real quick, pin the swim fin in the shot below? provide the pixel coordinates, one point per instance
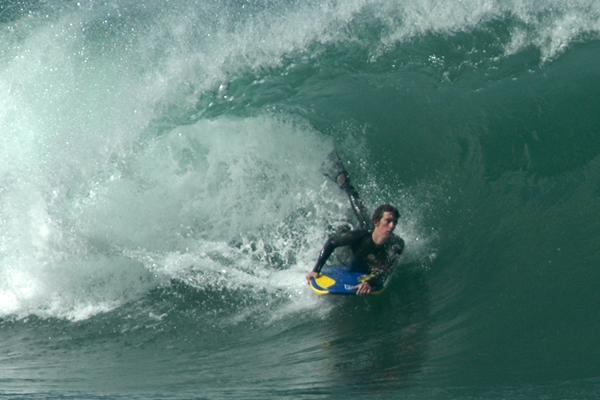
(333, 168)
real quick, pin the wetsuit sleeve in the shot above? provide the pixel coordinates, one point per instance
(335, 241)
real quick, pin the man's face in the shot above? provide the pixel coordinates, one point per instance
(386, 225)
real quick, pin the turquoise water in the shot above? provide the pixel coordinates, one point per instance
(159, 161)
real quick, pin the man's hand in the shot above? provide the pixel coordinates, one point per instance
(363, 289)
(311, 274)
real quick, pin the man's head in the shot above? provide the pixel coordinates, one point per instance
(384, 220)
(379, 211)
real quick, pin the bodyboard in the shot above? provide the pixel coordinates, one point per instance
(339, 280)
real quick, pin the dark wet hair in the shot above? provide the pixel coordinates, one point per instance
(378, 214)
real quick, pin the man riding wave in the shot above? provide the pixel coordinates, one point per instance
(375, 250)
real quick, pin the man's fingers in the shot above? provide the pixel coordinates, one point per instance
(311, 275)
(363, 288)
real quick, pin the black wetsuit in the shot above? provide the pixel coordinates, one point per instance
(375, 261)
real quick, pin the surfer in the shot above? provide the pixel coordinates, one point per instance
(375, 250)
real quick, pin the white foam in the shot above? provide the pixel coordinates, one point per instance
(550, 26)
(211, 205)
(250, 206)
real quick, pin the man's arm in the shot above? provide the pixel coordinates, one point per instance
(335, 241)
(324, 254)
(332, 243)
(380, 273)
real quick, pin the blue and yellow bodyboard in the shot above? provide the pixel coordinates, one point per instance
(339, 280)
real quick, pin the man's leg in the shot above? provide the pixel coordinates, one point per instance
(333, 168)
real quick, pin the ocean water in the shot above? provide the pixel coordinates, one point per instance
(161, 198)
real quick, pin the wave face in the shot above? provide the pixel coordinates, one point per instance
(161, 198)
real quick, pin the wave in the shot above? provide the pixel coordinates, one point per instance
(161, 198)
(144, 142)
